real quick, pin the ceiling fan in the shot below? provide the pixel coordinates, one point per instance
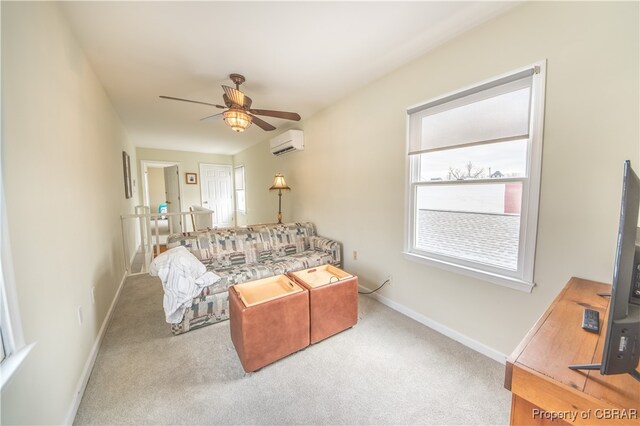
(239, 115)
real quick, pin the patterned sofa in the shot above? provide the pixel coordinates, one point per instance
(239, 255)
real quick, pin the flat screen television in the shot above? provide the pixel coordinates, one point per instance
(622, 340)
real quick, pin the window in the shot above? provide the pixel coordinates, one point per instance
(2, 352)
(474, 178)
(238, 176)
(13, 350)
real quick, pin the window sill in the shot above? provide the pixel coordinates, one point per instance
(502, 280)
(11, 364)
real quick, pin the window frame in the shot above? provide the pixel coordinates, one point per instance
(15, 349)
(244, 189)
(522, 279)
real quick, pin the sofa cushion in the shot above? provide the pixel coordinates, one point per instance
(258, 242)
(226, 247)
(198, 243)
(290, 238)
(297, 261)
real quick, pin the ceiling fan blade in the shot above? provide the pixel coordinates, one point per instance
(278, 114)
(189, 100)
(214, 116)
(247, 102)
(262, 124)
(236, 96)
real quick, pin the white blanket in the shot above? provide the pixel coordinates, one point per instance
(183, 276)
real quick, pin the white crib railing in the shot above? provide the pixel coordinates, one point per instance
(150, 239)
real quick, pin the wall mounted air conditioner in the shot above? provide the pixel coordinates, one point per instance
(289, 141)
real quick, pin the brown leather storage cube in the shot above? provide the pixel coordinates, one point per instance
(333, 299)
(269, 319)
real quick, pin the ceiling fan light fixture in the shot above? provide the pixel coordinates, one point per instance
(237, 119)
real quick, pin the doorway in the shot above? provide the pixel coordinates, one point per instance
(161, 191)
(216, 187)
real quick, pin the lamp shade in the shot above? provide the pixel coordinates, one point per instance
(279, 183)
(237, 119)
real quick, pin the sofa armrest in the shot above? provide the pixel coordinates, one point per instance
(334, 248)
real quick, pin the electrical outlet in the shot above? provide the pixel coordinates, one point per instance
(80, 314)
(355, 255)
(389, 279)
(93, 295)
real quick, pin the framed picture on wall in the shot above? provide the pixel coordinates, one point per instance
(192, 178)
(126, 167)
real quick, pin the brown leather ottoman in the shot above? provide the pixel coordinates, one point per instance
(269, 319)
(333, 299)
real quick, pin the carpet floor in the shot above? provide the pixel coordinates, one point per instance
(388, 369)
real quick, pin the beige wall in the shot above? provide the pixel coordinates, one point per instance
(260, 169)
(62, 171)
(189, 162)
(350, 179)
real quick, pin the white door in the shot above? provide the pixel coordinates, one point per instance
(172, 189)
(217, 193)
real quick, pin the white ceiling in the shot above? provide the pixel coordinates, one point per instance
(296, 56)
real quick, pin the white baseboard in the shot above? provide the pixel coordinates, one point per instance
(88, 366)
(440, 328)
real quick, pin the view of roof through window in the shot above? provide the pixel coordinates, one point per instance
(490, 239)
(469, 207)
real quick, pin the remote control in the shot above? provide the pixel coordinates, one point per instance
(591, 320)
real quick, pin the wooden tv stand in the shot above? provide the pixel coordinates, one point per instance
(545, 391)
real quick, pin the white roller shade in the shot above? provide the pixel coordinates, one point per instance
(496, 111)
